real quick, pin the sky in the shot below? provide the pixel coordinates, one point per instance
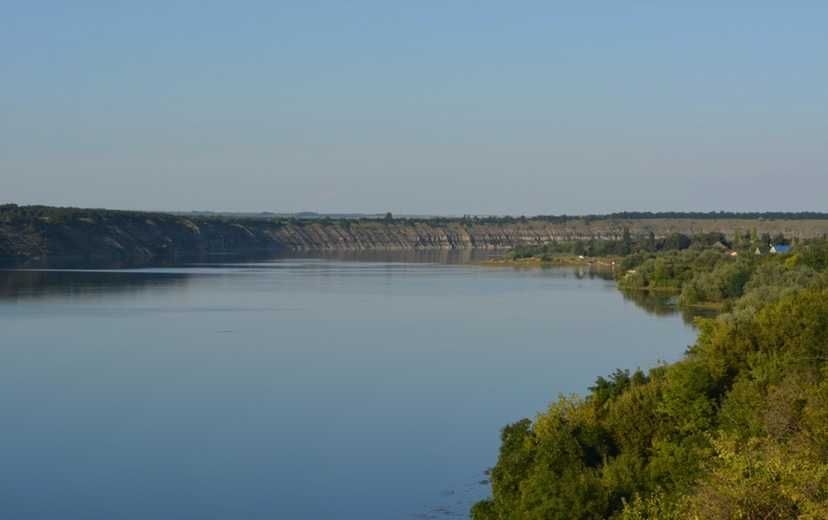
(427, 107)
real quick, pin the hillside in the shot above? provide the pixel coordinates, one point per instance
(36, 234)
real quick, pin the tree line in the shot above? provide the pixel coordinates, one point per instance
(20, 211)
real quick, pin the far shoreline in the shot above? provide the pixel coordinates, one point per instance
(553, 261)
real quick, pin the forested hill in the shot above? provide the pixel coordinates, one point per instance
(38, 233)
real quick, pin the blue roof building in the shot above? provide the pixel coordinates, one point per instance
(780, 248)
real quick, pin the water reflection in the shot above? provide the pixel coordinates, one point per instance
(665, 304)
(111, 262)
(435, 256)
(27, 284)
(593, 271)
(39, 283)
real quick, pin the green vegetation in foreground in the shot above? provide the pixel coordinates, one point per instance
(738, 429)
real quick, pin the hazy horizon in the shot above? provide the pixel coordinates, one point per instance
(381, 214)
(469, 108)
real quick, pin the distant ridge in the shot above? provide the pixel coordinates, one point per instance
(314, 215)
(41, 234)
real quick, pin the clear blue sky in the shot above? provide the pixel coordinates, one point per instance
(445, 107)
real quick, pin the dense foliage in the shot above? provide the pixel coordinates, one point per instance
(738, 429)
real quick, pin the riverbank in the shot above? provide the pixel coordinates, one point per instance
(607, 265)
(552, 261)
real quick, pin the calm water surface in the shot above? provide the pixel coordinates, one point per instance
(294, 388)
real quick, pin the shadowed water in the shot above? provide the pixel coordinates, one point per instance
(362, 387)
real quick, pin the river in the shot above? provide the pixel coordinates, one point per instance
(292, 388)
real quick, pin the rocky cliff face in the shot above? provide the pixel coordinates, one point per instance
(462, 234)
(39, 234)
